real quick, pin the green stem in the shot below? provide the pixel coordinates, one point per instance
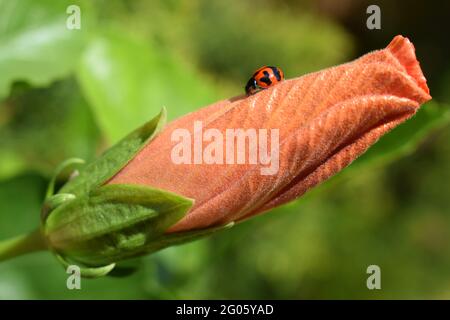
(22, 244)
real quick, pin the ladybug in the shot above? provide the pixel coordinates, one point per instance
(264, 78)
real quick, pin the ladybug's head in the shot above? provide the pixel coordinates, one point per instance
(251, 86)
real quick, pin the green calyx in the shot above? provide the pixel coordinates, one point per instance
(112, 223)
(95, 225)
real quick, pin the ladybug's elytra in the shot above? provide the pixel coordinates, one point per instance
(263, 78)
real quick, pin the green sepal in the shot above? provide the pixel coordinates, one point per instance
(52, 202)
(113, 222)
(88, 272)
(115, 158)
(63, 166)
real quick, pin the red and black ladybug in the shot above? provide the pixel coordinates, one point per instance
(264, 78)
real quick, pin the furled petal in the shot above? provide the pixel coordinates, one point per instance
(325, 120)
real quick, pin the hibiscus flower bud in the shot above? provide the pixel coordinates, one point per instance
(325, 120)
(231, 160)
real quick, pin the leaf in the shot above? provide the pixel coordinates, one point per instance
(103, 168)
(113, 222)
(20, 201)
(126, 80)
(35, 44)
(43, 127)
(405, 139)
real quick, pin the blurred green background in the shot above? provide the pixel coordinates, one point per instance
(67, 93)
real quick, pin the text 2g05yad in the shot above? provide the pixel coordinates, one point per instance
(246, 309)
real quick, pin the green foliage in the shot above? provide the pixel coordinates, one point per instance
(35, 44)
(43, 127)
(148, 78)
(264, 38)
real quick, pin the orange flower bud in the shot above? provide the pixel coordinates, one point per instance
(325, 120)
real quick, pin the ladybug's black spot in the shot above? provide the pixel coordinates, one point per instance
(276, 72)
(266, 78)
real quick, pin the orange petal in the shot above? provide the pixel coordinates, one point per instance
(325, 120)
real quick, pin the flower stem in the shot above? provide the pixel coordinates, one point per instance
(22, 244)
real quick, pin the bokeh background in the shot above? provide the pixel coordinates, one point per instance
(67, 93)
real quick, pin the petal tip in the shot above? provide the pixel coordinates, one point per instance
(404, 51)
